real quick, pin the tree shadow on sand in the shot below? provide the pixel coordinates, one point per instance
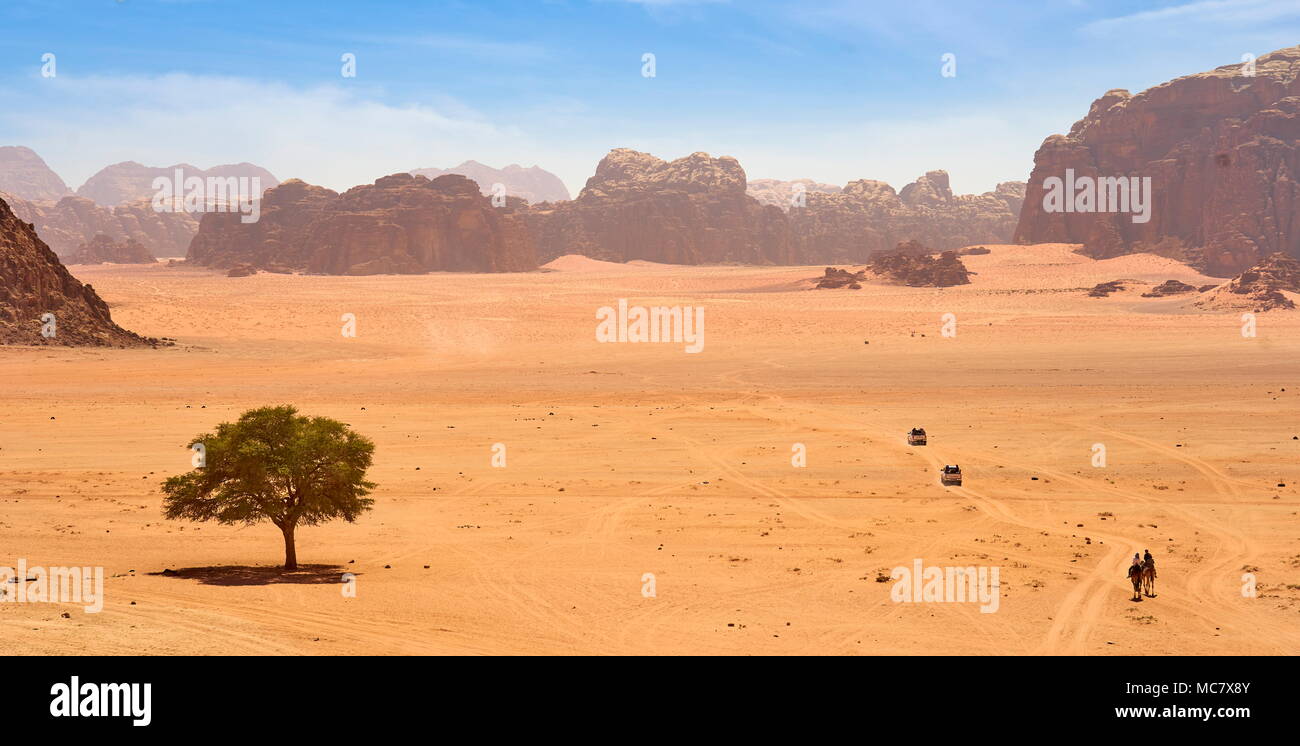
(258, 575)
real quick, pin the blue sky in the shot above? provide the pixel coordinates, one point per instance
(830, 90)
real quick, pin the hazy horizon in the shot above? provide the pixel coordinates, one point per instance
(791, 92)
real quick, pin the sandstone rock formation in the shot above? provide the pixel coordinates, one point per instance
(401, 224)
(868, 217)
(693, 210)
(102, 249)
(1259, 288)
(130, 181)
(67, 224)
(33, 283)
(778, 193)
(841, 278)
(532, 184)
(1222, 149)
(24, 174)
(1169, 287)
(920, 270)
(1104, 289)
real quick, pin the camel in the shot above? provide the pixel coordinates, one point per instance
(1149, 578)
(1135, 576)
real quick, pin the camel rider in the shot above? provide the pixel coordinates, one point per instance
(1137, 560)
(1149, 560)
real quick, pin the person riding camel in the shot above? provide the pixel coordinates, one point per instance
(1148, 559)
(1137, 559)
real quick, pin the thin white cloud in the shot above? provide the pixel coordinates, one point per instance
(1201, 13)
(333, 135)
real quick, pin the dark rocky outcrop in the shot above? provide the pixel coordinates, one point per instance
(907, 267)
(102, 249)
(33, 283)
(1222, 150)
(1104, 289)
(1258, 288)
(1169, 287)
(841, 278)
(401, 224)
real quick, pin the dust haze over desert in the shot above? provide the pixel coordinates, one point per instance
(665, 410)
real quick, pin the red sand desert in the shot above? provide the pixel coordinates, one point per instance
(628, 459)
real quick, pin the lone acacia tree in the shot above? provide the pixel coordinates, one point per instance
(275, 465)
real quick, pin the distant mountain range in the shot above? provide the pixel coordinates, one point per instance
(532, 185)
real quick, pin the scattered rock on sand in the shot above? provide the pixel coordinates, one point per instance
(920, 270)
(841, 278)
(1103, 289)
(1169, 287)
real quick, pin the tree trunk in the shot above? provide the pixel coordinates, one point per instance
(290, 552)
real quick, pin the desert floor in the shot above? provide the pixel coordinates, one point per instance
(627, 459)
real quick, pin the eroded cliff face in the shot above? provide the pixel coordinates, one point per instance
(34, 283)
(102, 249)
(868, 217)
(401, 224)
(72, 221)
(1222, 150)
(693, 210)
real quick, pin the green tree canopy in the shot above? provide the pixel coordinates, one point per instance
(275, 465)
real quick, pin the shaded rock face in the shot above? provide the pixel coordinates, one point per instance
(130, 181)
(1260, 287)
(693, 210)
(1223, 153)
(33, 283)
(868, 217)
(532, 184)
(921, 270)
(401, 224)
(24, 174)
(101, 249)
(72, 221)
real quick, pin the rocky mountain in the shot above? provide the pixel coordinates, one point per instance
(72, 221)
(531, 184)
(778, 193)
(1259, 288)
(693, 210)
(130, 181)
(24, 174)
(101, 249)
(401, 224)
(868, 217)
(1222, 151)
(33, 283)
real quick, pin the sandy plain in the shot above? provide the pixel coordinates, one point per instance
(627, 459)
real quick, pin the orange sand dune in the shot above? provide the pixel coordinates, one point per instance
(628, 459)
